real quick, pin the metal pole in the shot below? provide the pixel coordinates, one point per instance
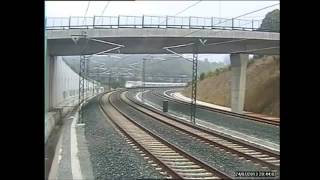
(194, 83)
(142, 21)
(81, 85)
(87, 75)
(211, 22)
(166, 21)
(109, 83)
(143, 78)
(98, 78)
(232, 23)
(94, 18)
(252, 25)
(118, 21)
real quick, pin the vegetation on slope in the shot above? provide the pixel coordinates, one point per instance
(262, 86)
(271, 22)
(173, 67)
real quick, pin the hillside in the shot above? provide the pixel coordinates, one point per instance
(262, 88)
(133, 63)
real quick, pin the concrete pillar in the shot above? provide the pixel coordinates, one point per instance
(238, 81)
(46, 88)
(51, 61)
(46, 80)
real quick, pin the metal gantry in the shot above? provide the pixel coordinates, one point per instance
(82, 74)
(194, 83)
(84, 69)
(195, 48)
(87, 76)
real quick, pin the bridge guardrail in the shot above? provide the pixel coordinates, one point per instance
(146, 21)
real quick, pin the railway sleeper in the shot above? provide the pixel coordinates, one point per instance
(254, 153)
(156, 146)
(168, 156)
(184, 170)
(188, 167)
(163, 152)
(214, 177)
(274, 161)
(262, 156)
(166, 152)
(192, 175)
(269, 158)
(174, 160)
(186, 163)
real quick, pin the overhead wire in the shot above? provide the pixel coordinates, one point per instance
(105, 7)
(234, 18)
(187, 8)
(87, 9)
(183, 10)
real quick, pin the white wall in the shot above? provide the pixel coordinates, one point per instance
(63, 86)
(65, 82)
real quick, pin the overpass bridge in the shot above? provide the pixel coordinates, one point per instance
(156, 35)
(142, 36)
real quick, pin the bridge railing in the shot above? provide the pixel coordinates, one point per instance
(146, 21)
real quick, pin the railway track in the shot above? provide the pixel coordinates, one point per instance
(244, 151)
(272, 122)
(170, 160)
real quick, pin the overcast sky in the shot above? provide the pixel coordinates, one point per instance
(224, 9)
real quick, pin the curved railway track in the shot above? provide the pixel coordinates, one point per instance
(168, 97)
(166, 157)
(244, 151)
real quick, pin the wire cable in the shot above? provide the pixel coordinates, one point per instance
(105, 7)
(87, 9)
(233, 18)
(192, 5)
(188, 7)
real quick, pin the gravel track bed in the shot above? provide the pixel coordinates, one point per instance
(111, 156)
(259, 130)
(210, 155)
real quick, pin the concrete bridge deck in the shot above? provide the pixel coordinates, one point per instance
(152, 41)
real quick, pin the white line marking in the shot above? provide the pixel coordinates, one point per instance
(60, 155)
(75, 164)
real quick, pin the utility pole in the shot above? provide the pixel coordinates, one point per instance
(82, 75)
(109, 81)
(87, 77)
(82, 70)
(98, 78)
(194, 83)
(143, 78)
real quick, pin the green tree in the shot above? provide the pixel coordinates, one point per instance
(210, 74)
(271, 22)
(202, 76)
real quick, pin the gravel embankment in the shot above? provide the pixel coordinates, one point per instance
(111, 157)
(210, 155)
(256, 129)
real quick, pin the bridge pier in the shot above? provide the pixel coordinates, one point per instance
(238, 81)
(46, 78)
(51, 60)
